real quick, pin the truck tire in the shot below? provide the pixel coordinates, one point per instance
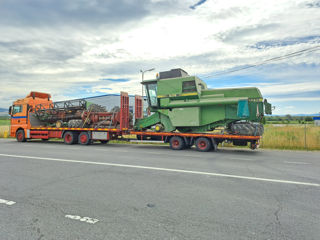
(20, 136)
(203, 144)
(75, 123)
(104, 141)
(84, 138)
(247, 128)
(177, 143)
(70, 138)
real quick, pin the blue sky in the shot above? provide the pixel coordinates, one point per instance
(75, 49)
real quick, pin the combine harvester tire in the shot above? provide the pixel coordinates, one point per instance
(247, 128)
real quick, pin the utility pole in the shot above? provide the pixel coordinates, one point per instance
(142, 78)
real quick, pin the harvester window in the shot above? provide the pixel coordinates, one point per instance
(152, 94)
(189, 86)
(17, 109)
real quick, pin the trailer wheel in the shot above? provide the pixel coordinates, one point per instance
(70, 138)
(177, 143)
(84, 138)
(20, 136)
(203, 144)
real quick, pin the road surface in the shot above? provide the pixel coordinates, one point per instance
(49, 190)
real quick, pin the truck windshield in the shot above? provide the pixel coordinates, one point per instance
(16, 109)
(152, 94)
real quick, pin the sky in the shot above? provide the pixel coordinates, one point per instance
(75, 49)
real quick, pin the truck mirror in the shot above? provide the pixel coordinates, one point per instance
(267, 107)
(10, 108)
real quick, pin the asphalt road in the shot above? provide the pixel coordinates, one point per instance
(54, 191)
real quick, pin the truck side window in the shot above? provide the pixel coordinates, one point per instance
(17, 109)
(189, 86)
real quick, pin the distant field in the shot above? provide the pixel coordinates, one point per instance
(5, 122)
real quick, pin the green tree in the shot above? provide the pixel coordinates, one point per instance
(308, 119)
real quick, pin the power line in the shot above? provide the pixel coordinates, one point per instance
(286, 56)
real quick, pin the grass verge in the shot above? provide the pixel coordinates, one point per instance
(299, 137)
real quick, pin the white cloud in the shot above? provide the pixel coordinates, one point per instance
(70, 53)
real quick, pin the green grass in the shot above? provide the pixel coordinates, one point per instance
(295, 137)
(4, 122)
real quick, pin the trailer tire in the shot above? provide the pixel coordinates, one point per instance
(70, 138)
(203, 144)
(20, 136)
(177, 143)
(84, 138)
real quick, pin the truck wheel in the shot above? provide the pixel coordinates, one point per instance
(70, 138)
(203, 144)
(84, 138)
(177, 143)
(104, 141)
(20, 136)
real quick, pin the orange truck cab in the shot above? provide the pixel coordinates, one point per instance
(22, 111)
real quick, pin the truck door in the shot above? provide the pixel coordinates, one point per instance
(19, 115)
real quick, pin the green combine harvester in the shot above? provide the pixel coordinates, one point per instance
(183, 103)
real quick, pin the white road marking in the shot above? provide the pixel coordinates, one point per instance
(242, 159)
(165, 169)
(302, 163)
(82, 219)
(7, 202)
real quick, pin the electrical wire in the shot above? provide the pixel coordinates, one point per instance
(286, 56)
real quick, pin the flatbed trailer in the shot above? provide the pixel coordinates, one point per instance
(23, 129)
(178, 141)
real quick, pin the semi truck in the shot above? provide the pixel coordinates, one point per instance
(183, 113)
